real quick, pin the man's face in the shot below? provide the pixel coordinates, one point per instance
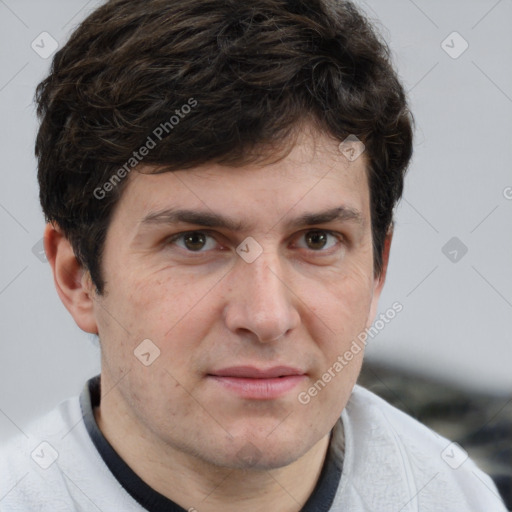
(218, 318)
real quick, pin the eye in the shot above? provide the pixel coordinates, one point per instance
(194, 241)
(319, 240)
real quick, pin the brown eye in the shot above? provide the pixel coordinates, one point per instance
(194, 241)
(201, 243)
(319, 240)
(316, 240)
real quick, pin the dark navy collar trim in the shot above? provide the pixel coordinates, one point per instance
(320, 500)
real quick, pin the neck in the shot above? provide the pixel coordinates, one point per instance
(197, 485)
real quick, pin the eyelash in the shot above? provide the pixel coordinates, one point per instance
(210, 234)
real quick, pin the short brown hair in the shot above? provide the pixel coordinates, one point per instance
(255, 71)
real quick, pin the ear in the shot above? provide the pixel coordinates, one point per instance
(73, 283)
(380, 280)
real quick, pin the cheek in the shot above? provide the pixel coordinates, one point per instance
(343, 302)
(157, 394)
(174, 312)
(151, 304)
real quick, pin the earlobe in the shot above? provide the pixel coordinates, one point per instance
(72, 282)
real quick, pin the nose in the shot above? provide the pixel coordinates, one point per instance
(261, 302)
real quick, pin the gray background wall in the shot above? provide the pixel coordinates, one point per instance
(457, 318)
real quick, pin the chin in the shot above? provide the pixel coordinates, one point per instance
(248, 453)
(251, 458)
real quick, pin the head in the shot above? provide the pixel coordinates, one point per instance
(232, 110)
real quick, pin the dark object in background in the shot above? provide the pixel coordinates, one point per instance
(480, 423)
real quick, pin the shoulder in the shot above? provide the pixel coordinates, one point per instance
(35, 464)
(392, 458)
(53, 466)
(39, 431)
(368, 408)
(29, 461)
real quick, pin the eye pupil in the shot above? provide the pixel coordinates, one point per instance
(316, 239)
(194, 241)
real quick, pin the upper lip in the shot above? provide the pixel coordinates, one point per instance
(251, 372)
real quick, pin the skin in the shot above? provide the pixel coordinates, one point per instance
(300, 303)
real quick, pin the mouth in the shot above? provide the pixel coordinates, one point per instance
(258, 383)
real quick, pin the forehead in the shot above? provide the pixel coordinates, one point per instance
(314, 173)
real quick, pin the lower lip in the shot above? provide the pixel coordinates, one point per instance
(259, 389)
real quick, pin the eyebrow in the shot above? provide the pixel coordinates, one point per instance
(216, 220)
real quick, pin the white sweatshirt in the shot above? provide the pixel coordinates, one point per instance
(390, 463)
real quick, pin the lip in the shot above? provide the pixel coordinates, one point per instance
(257, 383)
(251, 372)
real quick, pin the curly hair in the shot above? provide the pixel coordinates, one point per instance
(254, 71)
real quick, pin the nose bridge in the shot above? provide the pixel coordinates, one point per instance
(268, 278)
(261, 302)
(264, 280)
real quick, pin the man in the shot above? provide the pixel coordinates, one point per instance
(219, 181)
